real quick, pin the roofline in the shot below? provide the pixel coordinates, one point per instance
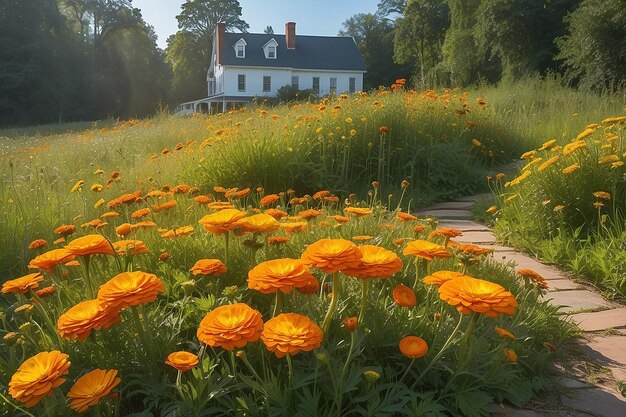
(292, 68)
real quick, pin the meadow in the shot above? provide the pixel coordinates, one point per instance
(272, 251)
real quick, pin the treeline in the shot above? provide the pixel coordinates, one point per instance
(462, 42)
(64, 60)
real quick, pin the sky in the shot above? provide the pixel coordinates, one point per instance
(312, 17)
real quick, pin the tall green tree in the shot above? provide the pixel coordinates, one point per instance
(594, 49)
(461, 57)
(189, 50)
(374, 38)
(419, 35)
(387, 7)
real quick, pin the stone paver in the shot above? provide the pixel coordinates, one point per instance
(525, 261)
(601, 320)
(596, 401)
(577, 300)
(464, 225)
(573, 383)
(464, 214)
(611, 352)
(477, 238)
(563, 284)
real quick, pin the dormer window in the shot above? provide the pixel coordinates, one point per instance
(270, 49)
(240, 48)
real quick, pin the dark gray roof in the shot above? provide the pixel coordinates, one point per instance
(311, 52)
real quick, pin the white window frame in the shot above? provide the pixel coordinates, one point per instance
(271, 49)
(315, 89)
(269, 83)
(331, 88)
(241, 43)
(295, 84)
(352, 85)
(239, 83)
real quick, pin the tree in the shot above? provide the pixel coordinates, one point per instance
(387, 7)
(189, 50)
(594, 50)
(374, 38)
(420, 33)
(521, 33)
(269, 30)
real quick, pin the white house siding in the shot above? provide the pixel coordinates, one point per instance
(281, 77)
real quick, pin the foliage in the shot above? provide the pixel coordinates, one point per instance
(288, 94)
(374, 37)
(568, 203)
(594, 50)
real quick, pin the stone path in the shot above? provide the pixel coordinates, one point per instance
(587, 390)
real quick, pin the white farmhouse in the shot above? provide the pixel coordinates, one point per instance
(249, 66)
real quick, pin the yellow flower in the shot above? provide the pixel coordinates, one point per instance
(77, 186)
(607, 159)
(573, 146)
(548, 163)
(602, 195)
(90, 388)
(571, 168)
(585, 133)
(505, 334)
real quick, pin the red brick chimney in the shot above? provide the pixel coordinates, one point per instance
(220, 30)
(290, 35)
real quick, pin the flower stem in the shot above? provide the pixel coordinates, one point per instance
(226, 241)
(466, 335)
(7, 401)
(90, 292)
(233, 363)
(278, 304)
(364, 289)
(408, 369)
(290, 366)
(139, 328)
(333, 303)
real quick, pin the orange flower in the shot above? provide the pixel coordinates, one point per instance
(178, 232)
(123, 229)
(145, 223)
(351, 323)
(47, 261)
(448, 232)
(123, 199)
(219, 205)
(36, 244)
(213, 267)
(45, 291)
(202, 199)
(405, 217)
(309, 214)
(294, 227)
(439, 277)
(534, 277)
(511, 356)
(109, 214)
(474, 250)
(90, 388)
(277, 214)
(65, 229)
(137, 214)
(376, 262)
(230, 326)
(339, 219)
(21, 285)
(312, 286)
(130, 247)
(221, 222)
(259, 223)
(413, 347)
(277, 240)
(420, 228)
(358, 211)
(404, 296)
(321, 194)
(38, 376)
(332, 255)
(164, 256)
(468, 294)
(289, 333)
(90, 245)
(362, 238)
(269, 199)
(95, 223)
(130, 289)
(278, 274)
(426, 250)
(182, 361)
(504, 333)
(165, 206)
(80, 320)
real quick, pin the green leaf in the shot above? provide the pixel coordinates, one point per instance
(473, 403)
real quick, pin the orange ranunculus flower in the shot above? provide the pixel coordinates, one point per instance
(123, 229)
(137, 214)
(278, 274)
(294, 227)
(38, 376)
(47, 261)
(213, 267)
(219, 205)
(339, 219)
(65, 229)
(275, 213)
(474, 250)
(534, 277)
(164, 206)
(405, 217)
(21, 285)
(309, 214)
(130, 289)
(182, 361)
(376, 262)
(413, 347)
(130, 247)
(109, 214)
(45, 291)
(289, 333)
(321, 194)
(80, 320)
(448, 232)
(420, 228)
(504, 333)
(230, 326)
(351, 323)
(177, 232)
(358, 211)
(312, 286)
(145, 223)
(36, 244)
(90, 388)
(123, 199)
(95, 223)
(332, 255)
(269, 199)
(439, 277)
(510, 354)
(404, 296)
(468, 294)
(259, 223)
(90, 245)
(277, 240)
(202, 199)
(221, 222)
(426, 250)
(361, 238)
